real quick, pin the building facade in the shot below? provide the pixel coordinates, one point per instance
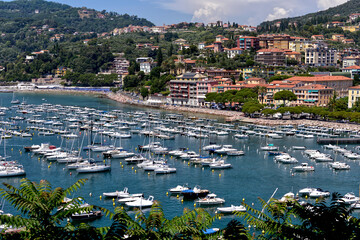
(271, 57)
(320, 56)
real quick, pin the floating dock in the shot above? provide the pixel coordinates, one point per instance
(338, 141)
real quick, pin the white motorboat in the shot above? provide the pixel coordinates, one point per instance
(220, 164)
(128, 199)
(78, 165)
(141, 202)
(349, 198)
(225, 149)
(165, 170)
(288, 197)
(298, 147)
(188, 155)
(135, 159)
(241, 136)
(340, 166)
(235, 153)
(269, 147)
(122, 154)
(178, 189)
(231, 209)
(212, 147)
(12, 171)
(122, 194)
(93, 168)
(306, 191)
(210, 199)
(287, 160)
(304, 167)
(319, 193)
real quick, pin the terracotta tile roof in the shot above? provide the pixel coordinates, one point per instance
(353, 67)
(355, 87)
(270, 50)
(320, 79)
(313, 86)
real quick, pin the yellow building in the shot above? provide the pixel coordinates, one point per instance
(350, 28)
(354, 95)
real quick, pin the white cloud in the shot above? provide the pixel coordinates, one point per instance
(325, 4)
(244, 11)
(278, 12)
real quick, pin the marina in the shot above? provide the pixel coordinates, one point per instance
(167, 155)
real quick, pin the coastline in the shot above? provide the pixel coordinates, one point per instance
(230, 116)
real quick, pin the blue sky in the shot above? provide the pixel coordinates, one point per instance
(250, 12)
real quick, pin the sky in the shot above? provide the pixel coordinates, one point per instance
(249, 12)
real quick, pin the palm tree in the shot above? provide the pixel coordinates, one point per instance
(290, 220)
(190, 225)
(43, 209)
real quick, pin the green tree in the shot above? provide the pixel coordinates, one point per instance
(144, 92)
(285, 95)
(42, 208)
(159, 57)
(290, 220)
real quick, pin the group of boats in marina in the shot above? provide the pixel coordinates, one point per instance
(77, 125)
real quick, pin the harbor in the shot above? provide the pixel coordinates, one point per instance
(77, 122)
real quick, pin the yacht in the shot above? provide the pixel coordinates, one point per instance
(220, 164)
(349, 198)
(135, 159)
(340, 166)
(306, 191)
(235, 153)
(231, 209)
(93, 168)
(288, 197)
(165, 169)
(225, 149)
(269, 147)
(122, 194)
(141, 202)
(241, 136)
(12, 171)
(212, 147)
(195, 193)
(319, 193)
(210, 199)
(178, 189)
(304, 167)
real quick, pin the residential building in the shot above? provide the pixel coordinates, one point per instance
(180, 41)
(280, 41)
(277, 86)
(291, 55)
(299, 44)
(317, 37)
(146, 67)
(121, 65)
(338, 37)
(340, 84)
(232, 52)
(353, 70)
(354, 16)
(354, 96)
(321, 55)
(313, 95)
(61, 71)
(223, 73)
(201, 45)
(218, 47)
(350, 28)
(248, 43)
(189, 89)
(271, 57)
(143, 59)
(351, 61)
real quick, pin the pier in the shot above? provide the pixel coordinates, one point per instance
(338, 141)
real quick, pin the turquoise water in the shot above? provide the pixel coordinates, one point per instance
(253, 175)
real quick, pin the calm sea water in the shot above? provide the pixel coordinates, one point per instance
(253, 175)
